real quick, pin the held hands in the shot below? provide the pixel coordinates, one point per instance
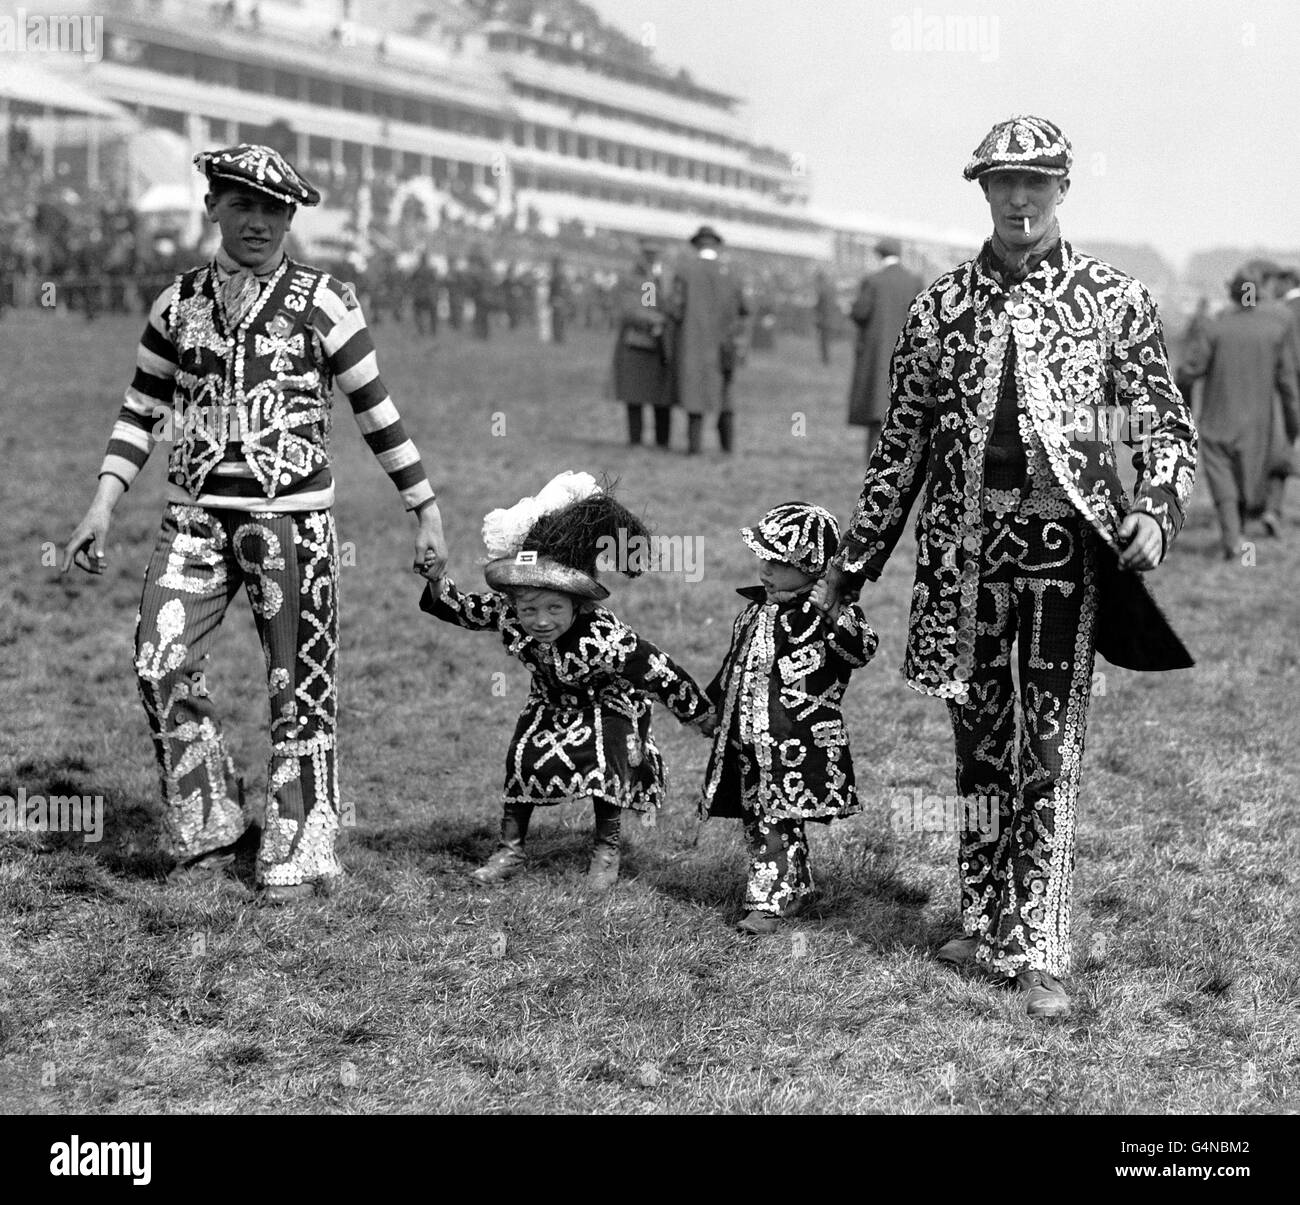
(1141, 542)
(826, 594)
(430, 544)
(707, 723)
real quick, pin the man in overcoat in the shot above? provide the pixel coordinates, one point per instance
(707, 306)
(884, 297)
(1247, 355)
(1013, 378)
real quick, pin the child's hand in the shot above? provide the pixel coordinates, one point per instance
(708, 723)
(431, 569)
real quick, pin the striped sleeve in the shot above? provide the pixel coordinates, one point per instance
(148, 399)
(350, 353)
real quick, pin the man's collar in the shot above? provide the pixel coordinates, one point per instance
(1291, 294)
(708, 253)
(887, 260)
(228, 266)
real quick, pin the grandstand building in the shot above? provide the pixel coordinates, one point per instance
(532, 111)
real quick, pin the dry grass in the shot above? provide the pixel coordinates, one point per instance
(413, 990)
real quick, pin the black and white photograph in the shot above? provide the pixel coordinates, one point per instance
(680, 558)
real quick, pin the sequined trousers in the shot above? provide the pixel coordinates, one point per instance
(780, 879)
(1038, 592)
(288, 565)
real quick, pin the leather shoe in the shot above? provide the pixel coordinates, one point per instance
(602, 874)
(760, 924)
(1045, 997)
(206, 866)
(502, 865)
(958, 952)
(275, 894)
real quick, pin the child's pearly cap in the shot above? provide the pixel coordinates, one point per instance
(799, 533)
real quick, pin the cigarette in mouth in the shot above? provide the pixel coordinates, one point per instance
(1026, 222)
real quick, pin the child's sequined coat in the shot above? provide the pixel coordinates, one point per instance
(781, 750)
(584, 731)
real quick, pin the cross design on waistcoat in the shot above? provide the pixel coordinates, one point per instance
(279, 347)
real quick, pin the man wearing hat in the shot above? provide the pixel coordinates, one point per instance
(1013, 377)
(707, 307)
(236, 368)
(1250, 408)
(884, 297)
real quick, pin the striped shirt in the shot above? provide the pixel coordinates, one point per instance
(339, 330)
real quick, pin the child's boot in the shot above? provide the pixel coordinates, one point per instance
(509, 858)
(507, 862)
(602, 874)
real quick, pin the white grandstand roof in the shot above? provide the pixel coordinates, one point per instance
(862, 221)
(33, 85)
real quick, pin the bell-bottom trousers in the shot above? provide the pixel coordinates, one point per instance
(288, 565)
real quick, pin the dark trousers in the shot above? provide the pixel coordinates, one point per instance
(780, 879)
(695, 431)
(663, 419)
(1019, 756)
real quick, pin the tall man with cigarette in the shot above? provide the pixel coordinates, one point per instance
(1006, 385)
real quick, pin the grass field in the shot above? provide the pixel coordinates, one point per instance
(412, 989)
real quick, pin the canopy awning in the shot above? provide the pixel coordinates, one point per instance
(33, 85)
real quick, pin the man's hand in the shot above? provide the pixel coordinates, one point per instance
(826, 593)
(86, 548)
(430, 544)
(1141, 543)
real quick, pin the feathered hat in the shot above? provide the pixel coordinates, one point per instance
(552, 540)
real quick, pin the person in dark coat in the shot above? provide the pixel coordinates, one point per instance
(560, 295)
(707, 306)
(1287, 292)
(641, 374)
(1002, 381)
(424, 295)
(1246, 357)
(879, 312)
(780, 750)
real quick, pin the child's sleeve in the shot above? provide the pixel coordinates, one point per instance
(444, 601)
(852, 639)
(652, 670)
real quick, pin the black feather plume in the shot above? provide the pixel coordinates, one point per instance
(577, 535)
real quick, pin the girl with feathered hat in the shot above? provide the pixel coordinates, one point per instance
(584, 732)
(780, 750)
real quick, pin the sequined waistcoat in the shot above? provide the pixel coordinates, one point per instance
(258, 394)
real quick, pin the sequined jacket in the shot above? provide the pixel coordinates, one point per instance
(1090, 368)
(781, 750)
(585, 728)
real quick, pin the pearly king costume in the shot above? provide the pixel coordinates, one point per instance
(781, 752)
(238, 369)
(1006, 388)
(584, 731)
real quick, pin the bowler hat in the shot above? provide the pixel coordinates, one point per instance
(705, 233)
(889, 246)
